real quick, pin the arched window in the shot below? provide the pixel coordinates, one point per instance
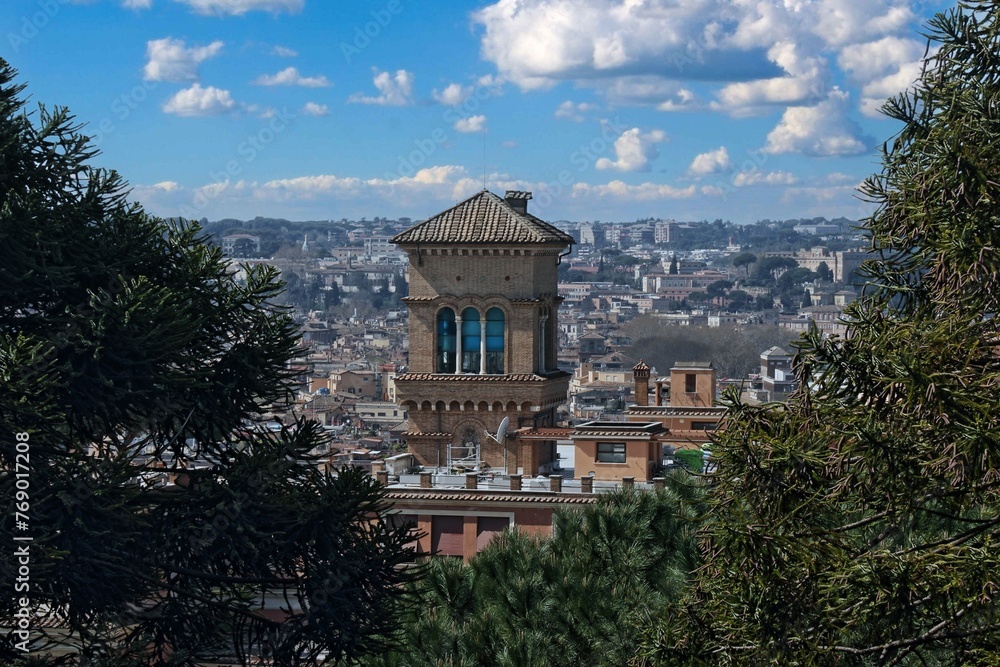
(472, 340)
(494, 341)
(445, 341)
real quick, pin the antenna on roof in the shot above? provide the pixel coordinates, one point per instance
(484, 157)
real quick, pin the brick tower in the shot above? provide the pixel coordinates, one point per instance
(483, 333)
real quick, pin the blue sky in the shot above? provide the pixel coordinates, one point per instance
(605, 109)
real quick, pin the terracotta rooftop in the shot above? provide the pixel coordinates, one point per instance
(483, 218)
(473, 377)
(393, 493)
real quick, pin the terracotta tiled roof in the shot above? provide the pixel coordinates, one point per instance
(641, 366)
(671, 411)
(471, 377)
(483, 218)
(491, 496)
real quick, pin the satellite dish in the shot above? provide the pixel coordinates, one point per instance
(501, 430)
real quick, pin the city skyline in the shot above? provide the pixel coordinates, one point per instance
(698, 109)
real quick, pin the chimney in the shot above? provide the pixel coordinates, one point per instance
(628, 482)
(515, 482)
(555, 483)
(641, 374)
(472, 480)
(382, 476)
(517, 200)
(586, 484)
(426, 481)
(659, 483)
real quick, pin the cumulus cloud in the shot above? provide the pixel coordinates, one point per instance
(711, 162)
(750, 55)
(395, 90)
(805, 81)
(290, 77)
(168, 59)
(634, 151)
(198, 101)
(757, 177)
(240, 7)
(884, 67)
(570, 110)
(821, 130)
(315, 109)
(471, 124)
(137, 4)
(453, 94)
(643, 191)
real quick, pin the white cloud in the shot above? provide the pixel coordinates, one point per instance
(396, 90)
(820, 130)
(841, 22)
(757, 177)
(712, 162)
(471, 124)
(885, 67)
(453, 94)
(682, 100)
(290, 77)
(198, 101)
(643, 191)
(167, 186)
(634, 151)
(283, 51)
(240, 7)
(573, 110)
(315, 109)
(137, 4)
(805, 81)
(440, 178)
(748, 54)
(169, 60)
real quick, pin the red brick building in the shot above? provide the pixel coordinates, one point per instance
(483, 334)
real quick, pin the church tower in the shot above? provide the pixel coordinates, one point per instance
(483, 309)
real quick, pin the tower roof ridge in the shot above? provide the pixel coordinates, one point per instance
(483, 218)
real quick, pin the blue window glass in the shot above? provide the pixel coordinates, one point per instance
(495, 325)
(471, 341)
(446, 340)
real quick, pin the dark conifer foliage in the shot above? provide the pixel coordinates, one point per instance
(858, 524)
(129, 351)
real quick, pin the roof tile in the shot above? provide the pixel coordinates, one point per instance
(483, 218)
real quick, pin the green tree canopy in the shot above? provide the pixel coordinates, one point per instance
(858, 524)
(130, 357)
(744, 260)
(581, 597)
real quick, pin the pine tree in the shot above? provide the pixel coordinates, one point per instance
(858, 524)
(129, 356)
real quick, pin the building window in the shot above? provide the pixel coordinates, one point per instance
(445, 341)
(690, 383)
(611, 452)
(472, 339)
(495, 325)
